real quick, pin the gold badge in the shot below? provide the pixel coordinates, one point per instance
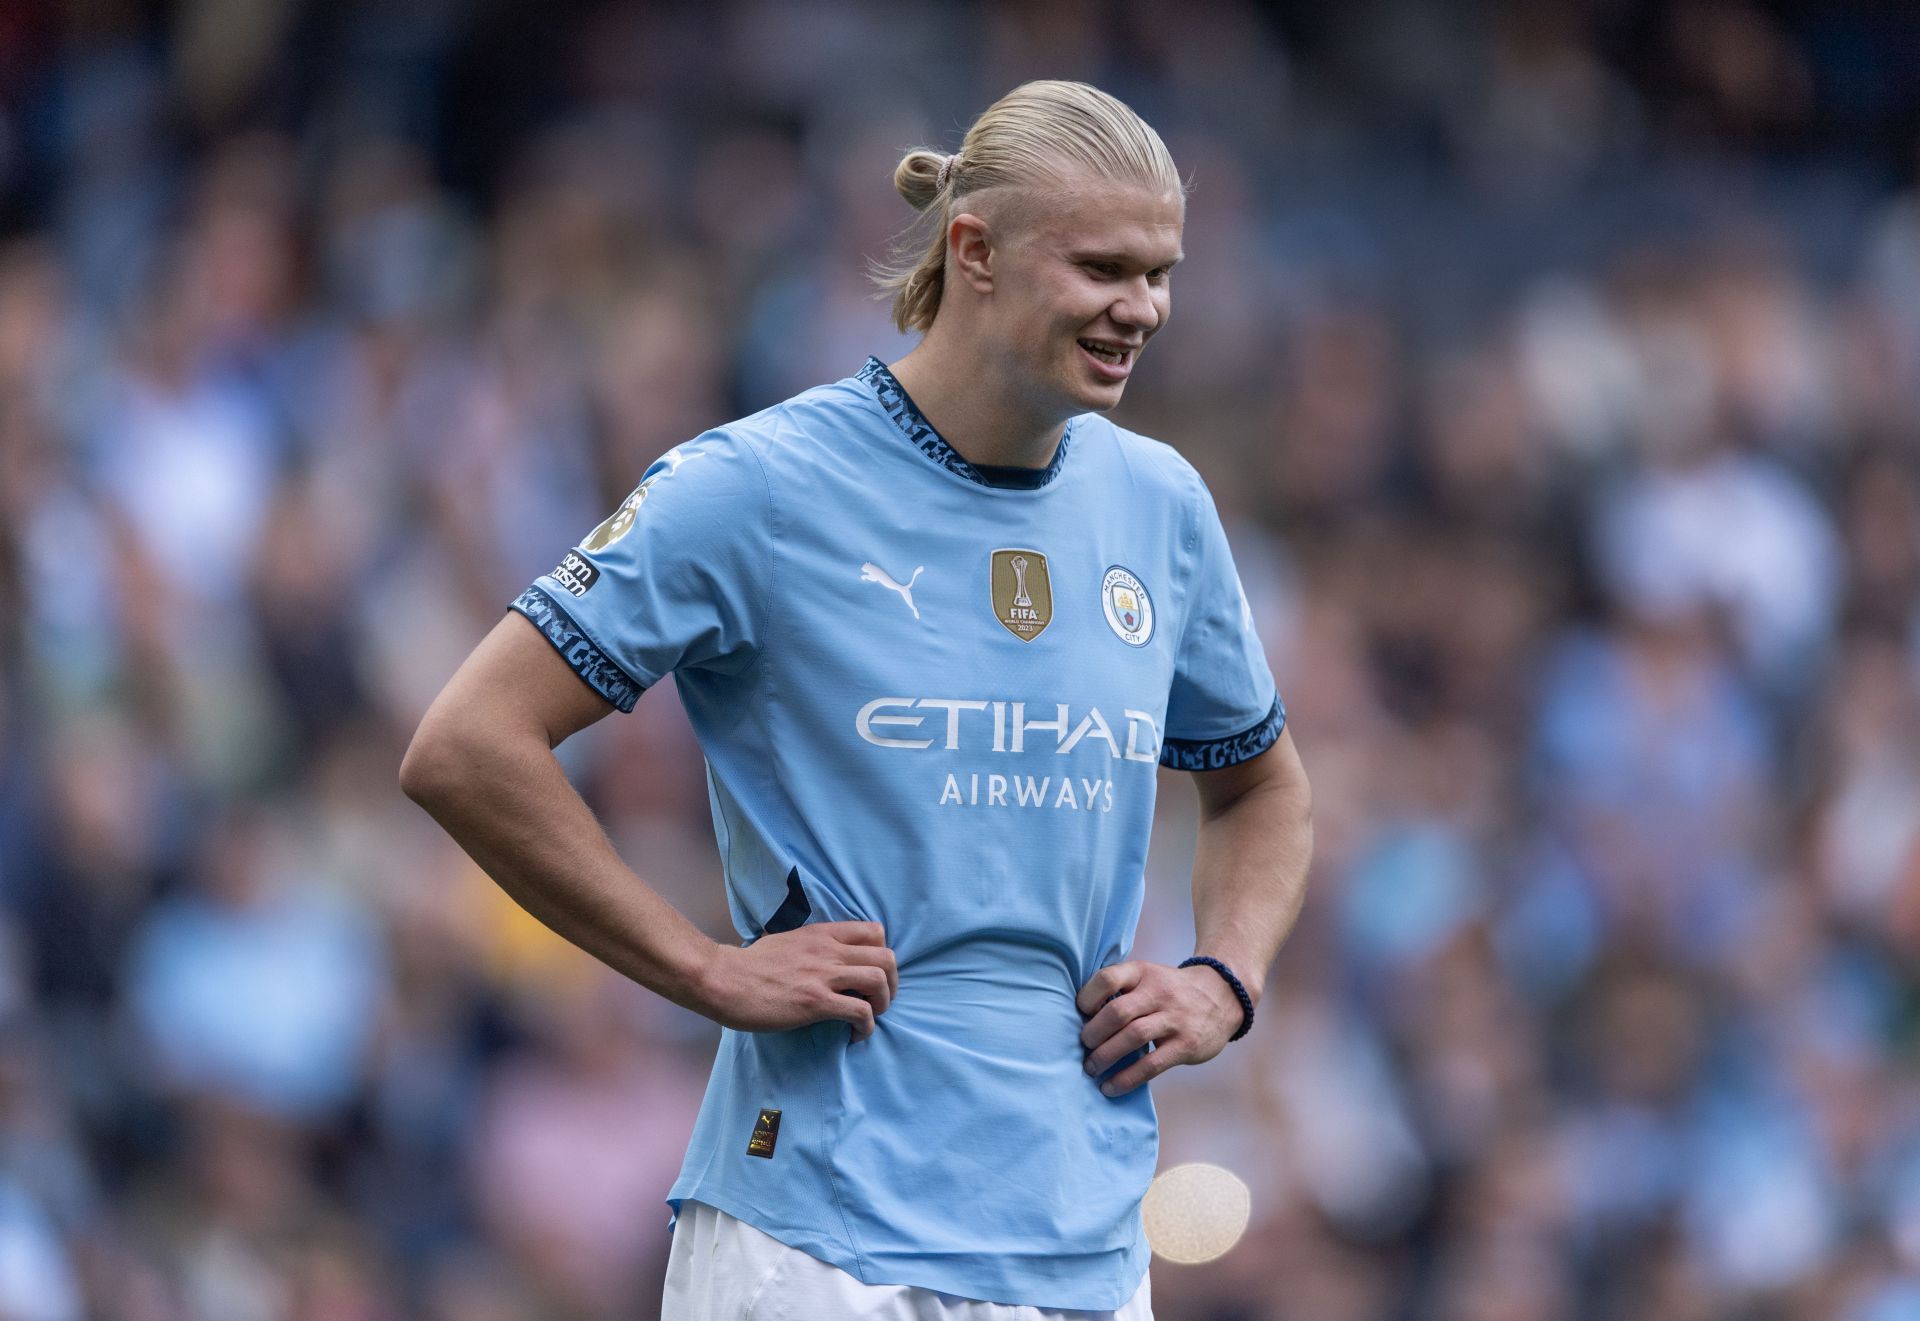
(621, 521)
(1022, 592)
(618, 524)
(766, 1132)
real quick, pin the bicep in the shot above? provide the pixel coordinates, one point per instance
(1278, 769)
(516, 681)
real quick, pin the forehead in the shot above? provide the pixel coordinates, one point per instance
(1107, 216)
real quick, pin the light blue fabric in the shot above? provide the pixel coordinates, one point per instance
(882, 746)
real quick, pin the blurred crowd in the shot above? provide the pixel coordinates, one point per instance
(1557, 366)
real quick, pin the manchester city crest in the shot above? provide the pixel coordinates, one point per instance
(1022, 592)
(1128, 608)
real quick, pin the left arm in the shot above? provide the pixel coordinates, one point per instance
(1249, 879)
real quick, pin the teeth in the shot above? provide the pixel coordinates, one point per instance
(1102, 352)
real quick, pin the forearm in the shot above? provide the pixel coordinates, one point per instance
(1250, 877)
(508, 803)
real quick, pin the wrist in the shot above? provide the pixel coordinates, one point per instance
(1247, 970)
(704, 974)
(1242, 996)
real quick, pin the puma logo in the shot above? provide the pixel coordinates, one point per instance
(873, 573)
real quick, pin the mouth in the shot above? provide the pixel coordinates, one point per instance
(1112, 361)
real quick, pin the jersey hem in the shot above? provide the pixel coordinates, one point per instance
(936, 1275)
(582, 654)
(1184, 754)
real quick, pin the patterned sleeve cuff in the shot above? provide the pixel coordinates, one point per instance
(581, 653)
(1216, 754)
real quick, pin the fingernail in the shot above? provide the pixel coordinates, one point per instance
(1108, 1089)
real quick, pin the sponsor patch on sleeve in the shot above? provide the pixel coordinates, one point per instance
(576, 573)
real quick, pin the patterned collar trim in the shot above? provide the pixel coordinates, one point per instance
(914, 426)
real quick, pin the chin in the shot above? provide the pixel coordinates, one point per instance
(1087, 394)
(1095, 397)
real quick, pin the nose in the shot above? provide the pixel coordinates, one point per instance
(1141, 306)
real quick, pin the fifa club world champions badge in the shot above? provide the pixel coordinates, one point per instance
(1022, 592)
(1128, 608)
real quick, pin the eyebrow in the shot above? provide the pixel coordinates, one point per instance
(1124, 258)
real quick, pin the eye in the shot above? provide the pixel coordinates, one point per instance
(1106, 270)
(1159, 274)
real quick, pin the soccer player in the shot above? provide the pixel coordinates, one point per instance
(935, 626)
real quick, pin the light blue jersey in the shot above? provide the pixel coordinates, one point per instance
(937, 704)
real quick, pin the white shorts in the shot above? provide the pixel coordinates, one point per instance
(723, 1269)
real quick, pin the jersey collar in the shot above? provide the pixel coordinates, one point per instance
(913, 424)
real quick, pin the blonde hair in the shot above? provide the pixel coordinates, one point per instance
(1028, 136)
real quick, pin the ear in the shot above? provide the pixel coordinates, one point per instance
(970, 245)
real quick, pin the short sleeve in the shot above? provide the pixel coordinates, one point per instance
(1222, 708)
(675, 578)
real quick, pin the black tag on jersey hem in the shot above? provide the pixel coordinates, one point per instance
(766, 1132)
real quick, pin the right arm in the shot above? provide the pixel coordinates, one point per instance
(482, 765)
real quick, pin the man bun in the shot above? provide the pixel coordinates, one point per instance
(1028, 138)
(920, 177)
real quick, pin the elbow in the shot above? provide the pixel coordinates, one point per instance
(1297, 797)
(1288, 797)
(1300, 800)
(428, 771)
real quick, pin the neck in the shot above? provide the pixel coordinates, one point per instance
(983, 426)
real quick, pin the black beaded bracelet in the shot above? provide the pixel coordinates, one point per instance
(1239, 991)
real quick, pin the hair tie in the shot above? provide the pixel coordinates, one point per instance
(947, 164)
